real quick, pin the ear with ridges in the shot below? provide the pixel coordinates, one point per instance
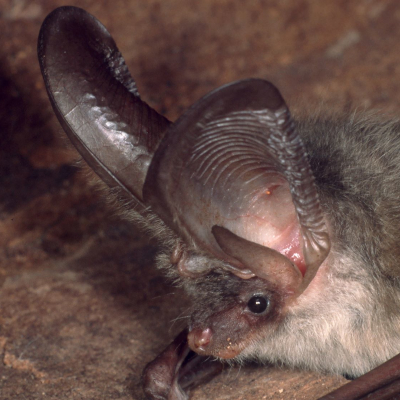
(96, 99)
(227, 149)
(221, 156)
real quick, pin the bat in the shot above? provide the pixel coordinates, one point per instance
(282, 231)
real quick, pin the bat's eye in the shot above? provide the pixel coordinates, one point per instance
(258, 304)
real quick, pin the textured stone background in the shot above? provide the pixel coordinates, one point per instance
(82, 307)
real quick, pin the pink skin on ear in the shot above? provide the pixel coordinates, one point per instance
(270, 220)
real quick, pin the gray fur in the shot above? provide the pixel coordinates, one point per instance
(347, 321)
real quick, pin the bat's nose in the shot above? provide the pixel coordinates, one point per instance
(199, 339)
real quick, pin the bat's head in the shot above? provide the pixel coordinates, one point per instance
(231, 178)
(226, 321)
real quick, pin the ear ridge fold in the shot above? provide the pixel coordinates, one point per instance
(96, 99)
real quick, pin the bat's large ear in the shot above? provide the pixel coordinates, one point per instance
(96, 100)
(235, 160)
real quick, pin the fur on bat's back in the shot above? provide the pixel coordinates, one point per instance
(350, 321)
(356, 163)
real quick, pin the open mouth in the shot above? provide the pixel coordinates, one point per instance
(177, 370)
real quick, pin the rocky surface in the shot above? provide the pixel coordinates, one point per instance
(82, 307)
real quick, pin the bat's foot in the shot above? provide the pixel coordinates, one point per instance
(177, 370)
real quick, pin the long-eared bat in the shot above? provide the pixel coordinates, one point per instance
(283, 232)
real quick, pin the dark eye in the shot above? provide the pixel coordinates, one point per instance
(258, 304)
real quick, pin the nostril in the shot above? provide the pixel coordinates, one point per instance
(198, 339)
(204, 338)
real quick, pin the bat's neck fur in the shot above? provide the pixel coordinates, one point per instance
(347, 325)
